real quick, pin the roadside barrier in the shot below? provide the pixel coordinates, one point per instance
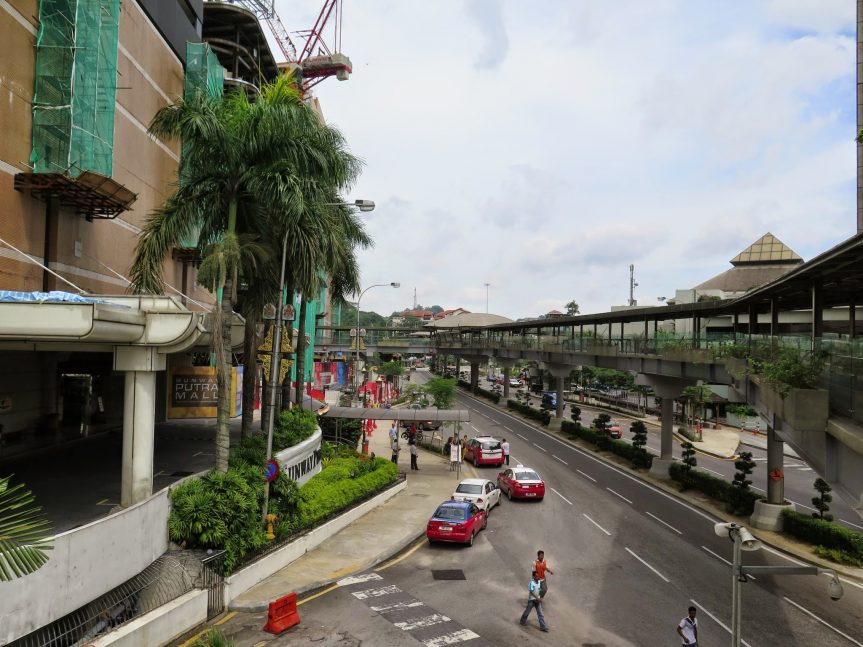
(282, 614)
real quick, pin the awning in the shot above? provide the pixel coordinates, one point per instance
(92, 195)
(416, 415)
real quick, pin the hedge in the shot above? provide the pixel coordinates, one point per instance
(483, 393)
(606, 442)
(540, 415)
(826, 534)
(714, 487)
(345, 481)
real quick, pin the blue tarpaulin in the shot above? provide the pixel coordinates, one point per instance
(41, 297)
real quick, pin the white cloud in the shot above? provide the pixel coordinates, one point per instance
(543, 147)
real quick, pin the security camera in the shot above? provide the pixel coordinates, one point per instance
(835, 588)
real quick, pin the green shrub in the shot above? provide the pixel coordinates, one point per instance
(293, 427)
(819, 532)
(605, 442)
(543, 417)
(343, 431)
(838, 556)
(714, 487)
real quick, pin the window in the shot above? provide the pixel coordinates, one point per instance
(450, 513)
(527, 476)
(469, 488)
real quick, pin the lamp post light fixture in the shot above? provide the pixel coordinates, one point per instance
(362, 205)
(486, 297)
(394, 284)
(744, 541)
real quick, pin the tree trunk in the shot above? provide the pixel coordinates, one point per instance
(301, 353)
(265, 387)
(222, 342)
(250, 374)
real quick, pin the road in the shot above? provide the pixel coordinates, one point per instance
(628, 559)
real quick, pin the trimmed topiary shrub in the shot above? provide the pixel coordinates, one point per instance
(543, 417)
(714, 487)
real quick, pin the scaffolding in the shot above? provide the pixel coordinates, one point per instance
(203, 71)
(75, 87)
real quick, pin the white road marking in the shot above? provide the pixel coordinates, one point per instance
(376, 593)
(648, 566)
(416, 623)
(520, 436)
(719, 557)
(823, 622)
(707, 469)
(586, 476)
(386, 608)
(663, 522)
(807, 469)
(759, 459)
(507, 428)
(851, 523)
(618, 494)
(450, 639)
(717, 620)
(755, 487)
(475, 429)
(542, 448)
(560, 459)
(596, 524)
(356, 579)
(561, 496)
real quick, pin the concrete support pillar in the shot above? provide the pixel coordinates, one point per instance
(560, 372)
(775, 465)
(817, 313)
(852, 319)
(139, 419)
(474, 374)
(457, 367)
(507, 365)
(559, 410)
(774, 317)
(667, 388)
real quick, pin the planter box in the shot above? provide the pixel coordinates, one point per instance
(691, 355)
(801, 409)
(736, 367)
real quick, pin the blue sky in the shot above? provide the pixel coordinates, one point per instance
(543, 147)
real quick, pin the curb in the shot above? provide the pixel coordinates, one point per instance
(764, 536)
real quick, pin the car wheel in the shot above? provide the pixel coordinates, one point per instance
(431, 541)
(470, 541)
(509, 494)
(485, 521)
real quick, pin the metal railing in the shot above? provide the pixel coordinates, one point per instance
(166, 579)
(214, 583)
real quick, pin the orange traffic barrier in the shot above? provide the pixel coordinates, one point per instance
(282, 614)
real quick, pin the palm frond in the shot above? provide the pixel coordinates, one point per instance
(24, 532)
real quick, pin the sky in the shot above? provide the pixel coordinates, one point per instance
(543, 147)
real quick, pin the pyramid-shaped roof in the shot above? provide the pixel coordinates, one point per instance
(767, 249)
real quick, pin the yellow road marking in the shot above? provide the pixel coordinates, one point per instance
(105, 502)
(262, 643)
(410, 551)
(227, 617)
(343, 571)
(318, 594)
(192, 640)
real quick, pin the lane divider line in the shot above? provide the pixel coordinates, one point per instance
(717, 620)
(648, 566)
(587, 476)
(823, 622)
(542, 448)
(664, 523)
(596, 524)
(719, 557)
(560, 459)
(618, 494)
(520, 436)
(561, 496)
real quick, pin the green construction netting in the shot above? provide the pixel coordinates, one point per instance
(76, 86)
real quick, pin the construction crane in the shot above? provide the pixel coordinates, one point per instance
(318, 59)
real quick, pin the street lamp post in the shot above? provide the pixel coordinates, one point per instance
(744, 541)
(486, 297)
(357, 338)
(276, 352)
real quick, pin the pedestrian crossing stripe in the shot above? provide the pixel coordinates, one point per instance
(386, 608)
(416, 623)
(357, 579)
(376, 593)
(450, 639)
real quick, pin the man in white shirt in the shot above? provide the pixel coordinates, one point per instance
(505, 447)
(688, 629)
(394, 432)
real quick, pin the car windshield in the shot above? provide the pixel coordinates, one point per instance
(450, 512)
(526, 476)
(469, 488)
(490, 445)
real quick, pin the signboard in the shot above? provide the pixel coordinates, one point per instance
(271, 471)
(193, 392)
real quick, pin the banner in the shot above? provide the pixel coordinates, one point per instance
(193, 392)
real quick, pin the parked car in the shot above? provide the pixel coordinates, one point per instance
(456, 521)
(613, 429)
(484, 493)
(485, 450)
(514, 382)
(521, 482)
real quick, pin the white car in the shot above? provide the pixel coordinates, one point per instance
(484, 493)
(514, 382)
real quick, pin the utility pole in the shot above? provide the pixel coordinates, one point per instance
(488, 284)
(415, 289)
(859, 116)
(633, 284)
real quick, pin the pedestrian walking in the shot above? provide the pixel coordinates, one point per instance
(534, 601)
(447, 446)
(505, 447)
(394, 445)
(464, 442)
(414, 451)
(688, 629)
(542, 569)
(394, 432)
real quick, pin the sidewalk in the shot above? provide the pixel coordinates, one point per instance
(370, 540)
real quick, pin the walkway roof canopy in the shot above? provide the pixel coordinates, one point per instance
(415, 415)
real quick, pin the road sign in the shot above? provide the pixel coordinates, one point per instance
(271, 471)
(776, 474)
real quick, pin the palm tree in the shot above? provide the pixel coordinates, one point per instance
(24, 532)
(247, 169)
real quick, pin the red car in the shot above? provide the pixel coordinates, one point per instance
(485, 450)
(613, 429)
(456, 521)
(521, 482)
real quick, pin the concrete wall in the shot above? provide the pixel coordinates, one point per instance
(21, 383)
(85, 563)
(161, 626)
(244, 579)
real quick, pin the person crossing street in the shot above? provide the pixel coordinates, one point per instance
(534, 601)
